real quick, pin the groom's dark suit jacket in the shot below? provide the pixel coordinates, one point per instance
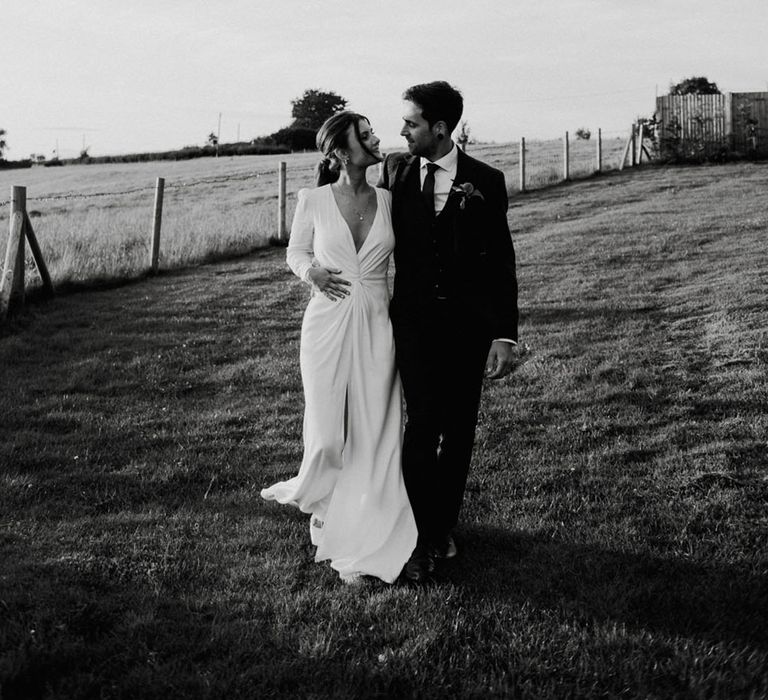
(464, 255)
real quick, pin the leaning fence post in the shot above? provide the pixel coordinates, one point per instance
(599, 154)
(37, 255)
(281, 235)
(627, 146)
(156, 225)
(633, 140)
(566, 159)
(522, 164)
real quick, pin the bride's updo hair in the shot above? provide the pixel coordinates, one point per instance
(332, 135)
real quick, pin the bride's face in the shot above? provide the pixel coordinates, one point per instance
(365, 151)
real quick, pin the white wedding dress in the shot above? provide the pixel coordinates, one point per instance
(350, 479)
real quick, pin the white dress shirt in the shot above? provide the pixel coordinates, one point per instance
(444, 176)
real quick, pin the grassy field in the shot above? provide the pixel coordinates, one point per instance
(614, 540)
(213, 207)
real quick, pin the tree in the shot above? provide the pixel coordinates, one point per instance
(698, 85)
(315, 106)
(213, 140)
(583, 133)
(3, 142)
(463, 138)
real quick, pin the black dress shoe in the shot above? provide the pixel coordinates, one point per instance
(421, 565)
(445, 548)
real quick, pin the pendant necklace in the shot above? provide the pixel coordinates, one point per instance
(361, 214)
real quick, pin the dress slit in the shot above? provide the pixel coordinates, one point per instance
(346, 415)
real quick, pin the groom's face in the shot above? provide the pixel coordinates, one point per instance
(416, 131)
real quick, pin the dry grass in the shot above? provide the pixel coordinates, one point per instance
(213, 208)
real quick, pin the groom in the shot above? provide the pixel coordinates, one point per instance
(454, 307)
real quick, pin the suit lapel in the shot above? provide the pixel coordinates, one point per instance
(463, 168)
(452, 203)
(464, 172)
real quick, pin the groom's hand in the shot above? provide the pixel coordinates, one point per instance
(326, 280)
(501, 359)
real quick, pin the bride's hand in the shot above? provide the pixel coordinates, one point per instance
(325, 279)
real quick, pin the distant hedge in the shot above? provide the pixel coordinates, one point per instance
(11, 164)
(189, 152)
(186, 153)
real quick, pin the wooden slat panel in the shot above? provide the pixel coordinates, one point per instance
(701, 119)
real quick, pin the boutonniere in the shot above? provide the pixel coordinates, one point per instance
(466, 191)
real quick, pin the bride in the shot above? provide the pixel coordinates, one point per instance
(350, 479)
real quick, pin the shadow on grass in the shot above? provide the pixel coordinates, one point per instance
(118, 638)
(668, 595)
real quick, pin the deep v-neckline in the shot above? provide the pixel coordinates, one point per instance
(349, 230)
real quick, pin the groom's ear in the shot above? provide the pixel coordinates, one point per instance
(440, 130)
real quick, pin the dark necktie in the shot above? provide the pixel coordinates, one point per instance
(428, 188)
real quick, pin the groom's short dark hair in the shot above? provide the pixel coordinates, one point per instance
(439, 101)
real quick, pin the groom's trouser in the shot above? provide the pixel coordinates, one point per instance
(441, 358)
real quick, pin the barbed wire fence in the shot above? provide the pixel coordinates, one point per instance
(528, 166)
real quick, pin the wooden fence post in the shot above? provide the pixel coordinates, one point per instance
(12, 287)
(157, 222)
(15, 240)
(633, 139)
(12, 284)
(566, 159)
(281, 234)
(18, 206)
(522, 164)
(599, 155)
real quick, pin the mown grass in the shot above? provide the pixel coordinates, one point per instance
(614, 536)
(213, 208)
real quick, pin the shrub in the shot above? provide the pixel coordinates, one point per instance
(12, 164)
(297, 138)
(697, 85)
(695, 148)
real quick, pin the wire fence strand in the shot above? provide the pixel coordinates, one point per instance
(148, 188)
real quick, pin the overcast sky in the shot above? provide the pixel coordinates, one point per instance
(126, 76)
